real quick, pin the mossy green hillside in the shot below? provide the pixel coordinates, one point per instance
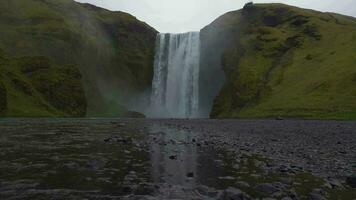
(113, 50)
(35, 87)
(288, 61)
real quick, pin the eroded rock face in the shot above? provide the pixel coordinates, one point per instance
(3, 100)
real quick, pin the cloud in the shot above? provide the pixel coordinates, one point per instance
(192, 15)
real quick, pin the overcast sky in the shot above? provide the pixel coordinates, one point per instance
(192, 15)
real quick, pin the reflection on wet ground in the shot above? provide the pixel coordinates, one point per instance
(132, 159)
(101, 159)
(177, 158)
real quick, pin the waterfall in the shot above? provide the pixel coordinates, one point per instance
(175, 85)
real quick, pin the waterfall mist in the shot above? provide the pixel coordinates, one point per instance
(175, 85)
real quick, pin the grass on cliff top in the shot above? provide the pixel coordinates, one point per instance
(294, 63)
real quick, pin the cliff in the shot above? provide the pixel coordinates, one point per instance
(284, 61)
(113, 51)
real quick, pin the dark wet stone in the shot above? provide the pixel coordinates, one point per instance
(126, 190)
(107, 139)
(124, 140)
(207, 191)
(72, 166)
(285, 169)
(173, 157)
(351, 181)
(266, 188)
(190, 174)
(342, 152)
(234, 194)
(286, 198)
(333, 183)
(315, 196)
(279, 118)
(121, 124)
(145, 190)
(96, 164)
(242, 184)
(292, 194)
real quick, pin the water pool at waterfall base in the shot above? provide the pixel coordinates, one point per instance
(176, 159)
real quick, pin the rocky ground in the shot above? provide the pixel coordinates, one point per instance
(177, 159)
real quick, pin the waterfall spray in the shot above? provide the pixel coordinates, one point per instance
(175, 86)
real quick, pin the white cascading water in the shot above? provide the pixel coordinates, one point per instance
(175, 86)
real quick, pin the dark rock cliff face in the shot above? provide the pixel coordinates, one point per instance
(283, 61)
(112, 50)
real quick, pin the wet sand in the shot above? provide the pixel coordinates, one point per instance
(176, 159)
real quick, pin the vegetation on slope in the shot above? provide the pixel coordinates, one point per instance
(287, 61)
(113, 50)
(34, 86)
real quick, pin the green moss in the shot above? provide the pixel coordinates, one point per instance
(35, 87)
(113, 50)
(294, 63)
(3, 98)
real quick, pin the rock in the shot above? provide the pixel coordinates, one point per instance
(71, 166)
(121, 124)
(96, 164)
(286, 198)
(133, 114)
(266, 188)
(278, 195)
(124, 140)
(227, 178)
(292, 193)
(234, 194)
(173, 157)
(108, 139)
(207, 191)
(279, 118)
(242, 184)
(145, 189)
(351, 181)
(190, 174)
(285, 169)
(316, 194)
(248, 5)
(333, 183)
(255, 176)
